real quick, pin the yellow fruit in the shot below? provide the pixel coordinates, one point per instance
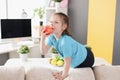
(60, 63)
(50, 60)
(54, 62)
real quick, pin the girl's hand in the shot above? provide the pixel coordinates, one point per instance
(43, 34)
(57, 75)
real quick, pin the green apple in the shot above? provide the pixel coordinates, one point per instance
(60, 62)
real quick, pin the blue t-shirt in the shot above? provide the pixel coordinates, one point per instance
(68, 47)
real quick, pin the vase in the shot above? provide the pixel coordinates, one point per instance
(54, 55)
(41, 23)
(23, 57)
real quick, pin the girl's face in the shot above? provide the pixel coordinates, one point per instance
(57, 22)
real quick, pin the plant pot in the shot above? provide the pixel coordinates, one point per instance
(41, 23)
(54, 55)
(24, 57)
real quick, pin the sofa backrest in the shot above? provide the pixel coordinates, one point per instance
(12, 73)
(40, 73)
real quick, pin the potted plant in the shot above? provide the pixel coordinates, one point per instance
(54, 52)
(57, 3)
(23, 51)
(57, 0)
(40, 13)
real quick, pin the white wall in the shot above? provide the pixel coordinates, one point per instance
(15, 7)
(2, 9)
(78, 12)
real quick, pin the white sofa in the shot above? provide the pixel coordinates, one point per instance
(12, 73)
(41, 73)
(33, 69)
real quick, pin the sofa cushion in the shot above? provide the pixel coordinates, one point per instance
(107, 72)
(81, 74)
(40, 73)
(12, 73)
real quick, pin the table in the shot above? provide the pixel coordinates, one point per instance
(42, 62)
(12, 46)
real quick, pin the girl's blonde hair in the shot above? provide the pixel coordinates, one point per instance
(65, 20)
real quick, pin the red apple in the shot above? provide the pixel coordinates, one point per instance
(48, 29)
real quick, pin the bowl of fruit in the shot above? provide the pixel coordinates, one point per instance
(57, 61)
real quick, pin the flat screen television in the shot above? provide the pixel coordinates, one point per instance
(14, 28)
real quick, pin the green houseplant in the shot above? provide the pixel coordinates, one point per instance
(24, 49)
(57, 0)
(23, 52)
(39, 11)
(54, 52)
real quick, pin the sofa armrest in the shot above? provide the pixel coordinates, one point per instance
(100, 61)
(12, 73)
(107, 72)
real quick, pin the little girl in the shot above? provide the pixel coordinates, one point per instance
(75, 54)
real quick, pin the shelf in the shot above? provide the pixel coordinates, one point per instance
(50, 10)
